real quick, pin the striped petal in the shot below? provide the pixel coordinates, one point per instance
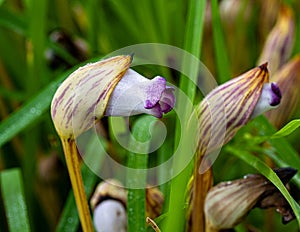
(227, 203)
(229, 107)
(82, 98)
(279, 43)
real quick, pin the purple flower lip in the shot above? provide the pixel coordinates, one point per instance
(276, 94)
(270, 98)
(165, 99)
(135, 94)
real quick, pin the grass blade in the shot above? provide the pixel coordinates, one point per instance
(12, 21)
(29, 113)
(14, 200)
(287, 129)
(193, 40)
(137, 175)
(284, 150)
(219, 44)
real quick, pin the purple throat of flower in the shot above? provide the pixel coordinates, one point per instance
(135, 94)
(276, 95)
(270, 98)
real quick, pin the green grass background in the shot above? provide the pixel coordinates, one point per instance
(31, 157)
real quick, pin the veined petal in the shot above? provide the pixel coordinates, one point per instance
(229, 107)
(279, 43)
(135, 94)
(82, 97)
(227, 203)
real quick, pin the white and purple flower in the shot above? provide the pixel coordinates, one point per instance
(104, 88)
(107, 88)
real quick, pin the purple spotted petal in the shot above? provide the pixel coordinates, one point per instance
(135, 94)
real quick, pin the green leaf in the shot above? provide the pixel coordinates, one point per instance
(12, 21)
(14, 200)
(269, 174)
(287, 129)
(29, 113)
(283, 149)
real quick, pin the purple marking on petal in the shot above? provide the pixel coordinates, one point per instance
(154, 92)
(167, 100)
(148, 104)
(156, 111)
(59, 99)
(87, 77)
(135, 94)
(276, 94)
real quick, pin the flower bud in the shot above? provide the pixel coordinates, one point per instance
(82, 97)
(279, 43)
(231, 105)
(154, 202)
(110, 189)
(227, 203)
(109, 205)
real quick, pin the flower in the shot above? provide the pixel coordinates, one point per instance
(104, 88)
(233, 104)
(227, 203)
(221, 114)
(107, 88)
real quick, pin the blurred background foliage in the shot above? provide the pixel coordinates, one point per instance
(41, 41)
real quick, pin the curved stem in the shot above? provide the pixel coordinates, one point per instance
(73, 163)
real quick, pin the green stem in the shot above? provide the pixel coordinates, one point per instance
(137, 175)
(193, 42)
